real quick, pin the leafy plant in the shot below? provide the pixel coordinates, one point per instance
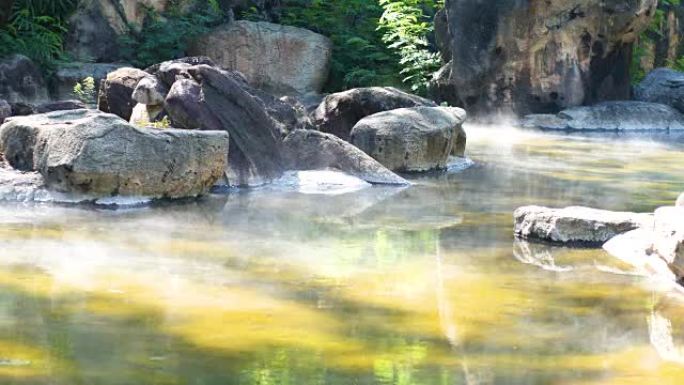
(360, 57)
(36, 28)
(405, 30)
(85, 90)
(166, 36)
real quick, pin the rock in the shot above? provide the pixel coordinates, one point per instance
(668, 240)
(575, 225)
(614, 116)
(21, 81)
(339, 112)
(680, 201)
(170, 71)
(635, 248)
(273, 57)
(117, 89)
(17, 186)
(460, 141)
(315, 150)
(144, 114)
(22, 109)
(60, 105)
(150, 91)
(255, 137)
(69, 74)
(186, 108)
(664, 86)
(90, 152)
(410, 139)
(5, 110)
(522, 57)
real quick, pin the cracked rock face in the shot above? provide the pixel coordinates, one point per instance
(90, 152)
(521, 57)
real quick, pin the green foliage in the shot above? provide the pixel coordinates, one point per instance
(406, 29)
(160, 125)
(85, 90)
(166, 36)
(360, 57)
(648, 38)
(36, 28)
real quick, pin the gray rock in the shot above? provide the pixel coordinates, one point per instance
(116, 91)
(144, 114)
(170, 71)
(60, 105)
(186, 108)
(575, 225)
(21, 81)
(90, 152)
(18, 186)
(5, 110)
(611, 116)
(515, 57)
(668, 240)
(664, 86)
(315, 150)
(22, 109)
(338, 113)
(150, 91)
(69, 74)
(273, 57)
(410, 139)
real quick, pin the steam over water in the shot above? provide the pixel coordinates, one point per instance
(342, 283)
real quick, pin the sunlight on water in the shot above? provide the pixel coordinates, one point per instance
(414, 285)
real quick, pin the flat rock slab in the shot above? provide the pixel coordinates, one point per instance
(610, 116)
(99, 154)
(575, 225)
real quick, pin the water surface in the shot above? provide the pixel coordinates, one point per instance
(420, 285)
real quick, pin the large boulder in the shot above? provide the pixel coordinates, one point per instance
(21, 81)
(614, 116)
(60, 105)
(315, 150)
(338, 113)
(5, 110)
(663, 85)
(522, 57)
(90, 152)
(69, 74)
(277, 58)
(410, 139)
(116, 91)
(150, 91)
(575, 225)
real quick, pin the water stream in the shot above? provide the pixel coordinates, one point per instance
(418, 285)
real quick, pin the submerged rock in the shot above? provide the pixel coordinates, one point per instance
(663, 85)
(338, 113)
(575, 225)
(411, 139)
(90, 152)
(116, 91)
(274, 57)
(611, 116)
(315, 150)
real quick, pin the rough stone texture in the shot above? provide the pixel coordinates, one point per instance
(668, 240)
(90, 152)
(277, 58)
(339, 112)
(60, 105)
(150, 91)
(185, 107)
(170, 71)
(522, 57)
(575, 225)
(410, 139)
(664, 86)
(18, 186)
(69, 74)
(616, 116)
(315, 150)
(144, 114)
(255, 137)
(21, 81)
(5, 110)
(117, 89)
